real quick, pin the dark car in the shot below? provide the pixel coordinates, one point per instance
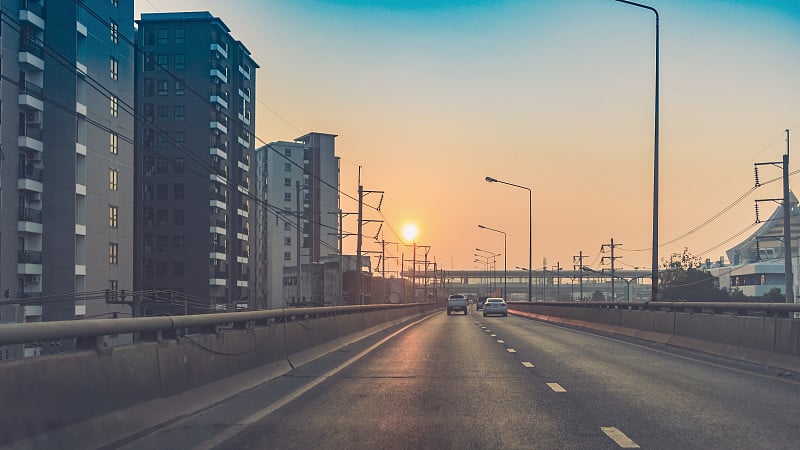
(481, 301)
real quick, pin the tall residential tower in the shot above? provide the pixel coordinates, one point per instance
(195, 88)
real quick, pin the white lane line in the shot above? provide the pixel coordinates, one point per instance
(488, 331)
(500, 341)
(527, 364)
(511, 350)
(239, 427)
(619, 437)
(556, 387)
(493, 335)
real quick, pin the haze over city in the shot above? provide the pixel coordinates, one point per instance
(429, 98)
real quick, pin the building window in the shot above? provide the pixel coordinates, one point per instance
(287, 167)
(113, 211)
(178, 113)
(162, 243)
(114, 3)
(149, 62)
(161, 269)
(163, 61)
(161, 138)
(179, 87)
(114, 106)
(114, 27)
(177, 217)
(114, 69)
(113, 256)
(162, 165)
(113, 143)
(163, 114)
(162, 191)
(287, 226)
(147, 191)
(177, 243)
(287, 196)
(161, 217)
(287, 241)
(177, 269)
(180, 61)
(113, 175)
(113, 284)
(179, 165)
(148, 113)
(287, 256)
(163, 36)
(180, 36)
(178, 191)
(287, 152)
(163, 87)
(180, 136)
(149, 87)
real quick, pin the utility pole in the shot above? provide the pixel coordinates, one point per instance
(612, 258)
(299, 242)
(558, 275)
(579, 259)
(787, 210)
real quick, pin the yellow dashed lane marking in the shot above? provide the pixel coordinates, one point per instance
(527, 364)
(556, 387)
(619, 437)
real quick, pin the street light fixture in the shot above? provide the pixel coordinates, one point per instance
(505, 259)
(530, 229)
(654, 262)
(494, 264)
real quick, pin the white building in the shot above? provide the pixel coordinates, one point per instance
(757, 263)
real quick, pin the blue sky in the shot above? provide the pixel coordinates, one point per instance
(430, 97)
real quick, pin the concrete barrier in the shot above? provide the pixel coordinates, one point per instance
(54, 391)
(769, 341)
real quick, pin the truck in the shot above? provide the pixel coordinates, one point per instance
(456, 302)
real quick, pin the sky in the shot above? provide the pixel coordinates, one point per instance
(430, 97)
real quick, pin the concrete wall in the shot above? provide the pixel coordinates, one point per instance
(769, 341)
(49, 392)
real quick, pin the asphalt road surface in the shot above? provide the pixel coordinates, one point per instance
(469, 382)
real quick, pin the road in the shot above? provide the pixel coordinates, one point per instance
(470, 382)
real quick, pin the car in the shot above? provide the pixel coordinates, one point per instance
(495, 305)
(457, 302)
(481, 301)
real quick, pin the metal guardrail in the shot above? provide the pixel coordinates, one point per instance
(739, 308)
(20, 333)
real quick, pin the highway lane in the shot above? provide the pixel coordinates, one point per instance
(447, 382)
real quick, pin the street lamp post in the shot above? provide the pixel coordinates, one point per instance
(485, 262)
(530, 229)
(494, 264)
(654, 262)
(505, 259)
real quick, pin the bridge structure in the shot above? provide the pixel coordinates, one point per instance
(551, 285)
(181, 365)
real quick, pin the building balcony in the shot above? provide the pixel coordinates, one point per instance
(30, 97)
(33, 13)
(80, 108)
(30, 179)
(219, 226)
(241, 283)
(220, 122)
(221, 74)
(30, 137)
(245, 93)
(29, 263)
(245, 72)
(221, 48)
(245, 118)
(81, 69)
(30, 215)
(33, 310)
(244, 140)
(81, 29)
(31, 54)
(220, 98)
(218, 277)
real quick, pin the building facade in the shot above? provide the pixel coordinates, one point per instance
(298, 220)
(195, 88)
(66, 201)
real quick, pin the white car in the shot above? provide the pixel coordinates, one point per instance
(495, 305)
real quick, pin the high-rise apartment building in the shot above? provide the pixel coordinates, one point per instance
(195, 88)
(298, 215)
(66, 196)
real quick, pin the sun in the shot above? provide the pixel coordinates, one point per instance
(410, 232)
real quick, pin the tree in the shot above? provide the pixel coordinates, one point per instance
(598, 296)
(773, 296)
(681, 279)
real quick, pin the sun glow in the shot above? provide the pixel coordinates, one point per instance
(410, 232)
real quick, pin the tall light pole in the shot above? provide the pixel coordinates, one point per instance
(530, 229)
(654, 262)
(494, 262)
(505, 259)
